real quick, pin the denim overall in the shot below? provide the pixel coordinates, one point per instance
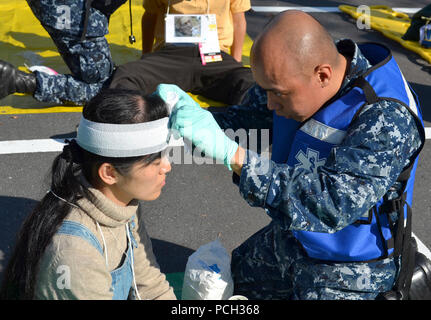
(122, 277)
(372, 236)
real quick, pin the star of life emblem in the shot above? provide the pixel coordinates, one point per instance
(309, 161)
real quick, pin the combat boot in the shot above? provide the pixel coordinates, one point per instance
(13, 80)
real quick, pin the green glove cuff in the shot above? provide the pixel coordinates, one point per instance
(230, 149)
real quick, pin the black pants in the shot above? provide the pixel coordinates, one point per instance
(226, 81)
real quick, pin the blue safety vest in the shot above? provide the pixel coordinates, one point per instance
(309, 144)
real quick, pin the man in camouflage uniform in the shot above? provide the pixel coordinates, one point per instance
(78, 29)
(381, 141)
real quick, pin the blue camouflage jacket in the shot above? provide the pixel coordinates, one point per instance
(68, 16)
(377, 147)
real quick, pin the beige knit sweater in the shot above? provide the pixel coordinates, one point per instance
(71, 268)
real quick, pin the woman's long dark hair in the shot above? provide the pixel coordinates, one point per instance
(109, 106)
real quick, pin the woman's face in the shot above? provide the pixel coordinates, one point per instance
(143, 181)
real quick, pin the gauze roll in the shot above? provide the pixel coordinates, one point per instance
(123, 140)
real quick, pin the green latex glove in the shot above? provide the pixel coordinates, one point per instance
(197, 125)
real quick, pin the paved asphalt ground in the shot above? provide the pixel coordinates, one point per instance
(199, 203)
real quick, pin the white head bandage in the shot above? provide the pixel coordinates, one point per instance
(123, 140)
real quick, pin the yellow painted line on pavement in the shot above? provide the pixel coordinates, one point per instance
(12, 110)
(202, 101)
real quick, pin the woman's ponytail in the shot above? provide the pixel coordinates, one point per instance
(41, 225)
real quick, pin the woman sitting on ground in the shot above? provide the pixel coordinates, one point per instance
(84, 239)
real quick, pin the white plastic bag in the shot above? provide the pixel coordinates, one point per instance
(208, 275)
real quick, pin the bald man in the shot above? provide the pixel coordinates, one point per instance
(346, 134)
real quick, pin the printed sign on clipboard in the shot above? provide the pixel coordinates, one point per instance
(186, 28)
(195, 28)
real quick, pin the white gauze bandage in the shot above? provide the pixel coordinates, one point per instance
(123, 140)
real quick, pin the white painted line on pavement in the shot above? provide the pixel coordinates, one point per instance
(48, 145)
(422, 248)
(317, 9)
(31, 146)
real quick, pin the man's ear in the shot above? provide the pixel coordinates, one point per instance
(323, 74)
(107, 173)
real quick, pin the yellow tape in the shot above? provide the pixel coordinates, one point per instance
(23, 39)
(12, 110)
(391, 24)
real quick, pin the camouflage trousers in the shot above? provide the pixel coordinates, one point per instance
(272, 265)
(89, 59)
